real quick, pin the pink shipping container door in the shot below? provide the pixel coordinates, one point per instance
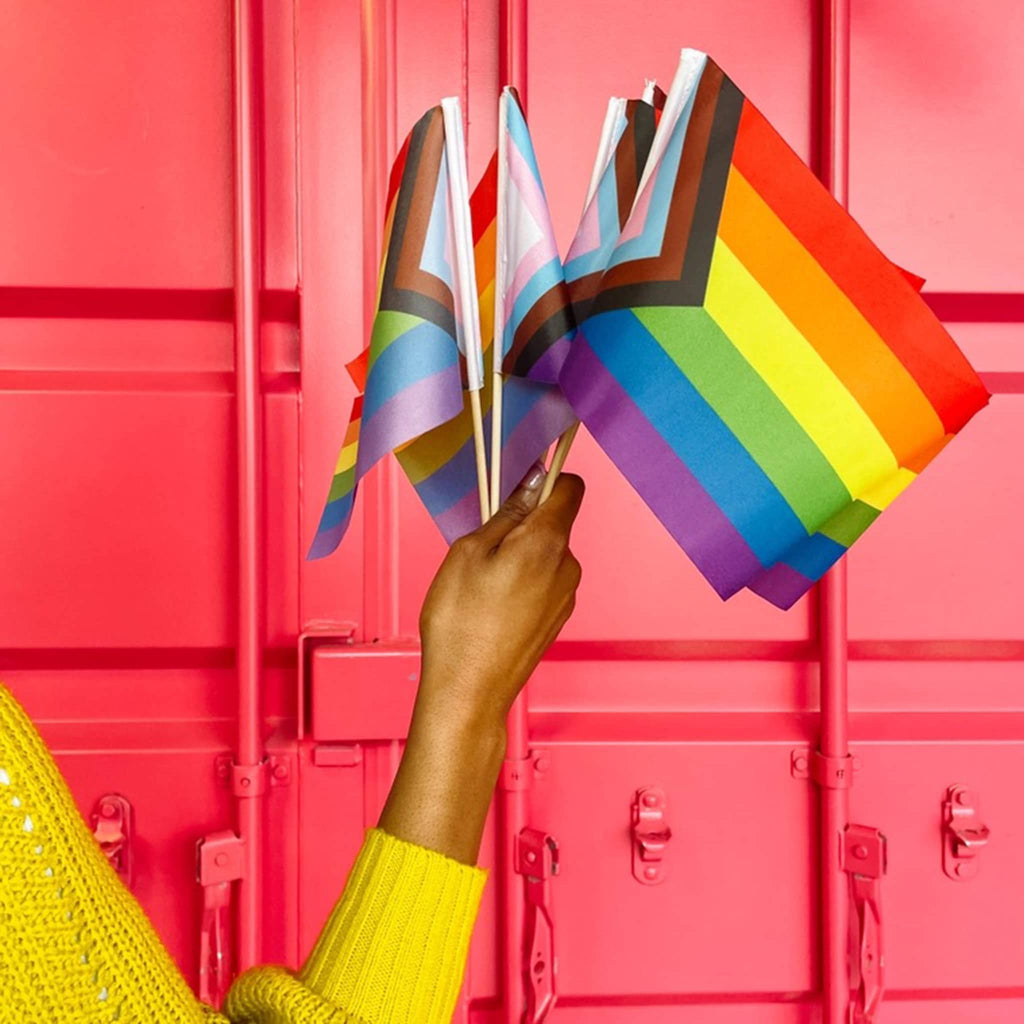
(190, 203)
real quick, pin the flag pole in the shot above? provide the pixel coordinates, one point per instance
(498, 344)
(466, 283)
(558, 461)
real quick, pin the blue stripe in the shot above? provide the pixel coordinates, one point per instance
(542, 281)
(814, 556)
(520, 135)
(695, 432)
(336, 512)
(607, 198)
(650, 241)
(423, 350)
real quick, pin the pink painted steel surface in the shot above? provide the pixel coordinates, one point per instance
(136, 296)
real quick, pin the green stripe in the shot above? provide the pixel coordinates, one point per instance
(750, 409)
(341, 484)
(388, 325)
(849, 523)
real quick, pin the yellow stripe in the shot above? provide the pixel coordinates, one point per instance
(883, 494)
(346, 457)
(792, 368)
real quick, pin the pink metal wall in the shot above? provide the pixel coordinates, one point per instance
(147, 612)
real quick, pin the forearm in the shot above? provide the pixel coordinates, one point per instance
(445, 782)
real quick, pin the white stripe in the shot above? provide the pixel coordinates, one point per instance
(465, 269)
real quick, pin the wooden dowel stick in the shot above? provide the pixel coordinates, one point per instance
(481, 455)
(496, 436)
(558, 461)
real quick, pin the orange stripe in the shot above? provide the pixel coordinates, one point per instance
(881, 293)
(826, 317)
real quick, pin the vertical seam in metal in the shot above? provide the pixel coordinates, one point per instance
(832, 592)
(248, 413)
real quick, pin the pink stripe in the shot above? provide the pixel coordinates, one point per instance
(637, 220)
(539, 256)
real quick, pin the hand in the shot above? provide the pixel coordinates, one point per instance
(498, 601)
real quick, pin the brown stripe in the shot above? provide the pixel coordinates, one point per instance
(408, 276)
(668, 264)
(551, 308)
(626, 174)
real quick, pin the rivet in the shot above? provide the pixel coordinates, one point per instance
(542, 764)
(245, 782)
(650, 799)
(220, 860)
(530, 856)
(961, 798)
(650, 873)
(860, 852)
(800, 764)
(107, 809)
(280, 771)
(961, 870)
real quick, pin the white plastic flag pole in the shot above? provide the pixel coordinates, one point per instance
(464, 272)
(500, 266)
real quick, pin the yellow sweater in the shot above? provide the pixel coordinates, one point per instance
(76, 948)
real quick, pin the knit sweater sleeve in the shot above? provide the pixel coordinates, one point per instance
(393, 950)
(76, 947)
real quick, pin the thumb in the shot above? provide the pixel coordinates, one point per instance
(517, 506)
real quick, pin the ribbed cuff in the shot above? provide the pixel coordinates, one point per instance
(394, 949)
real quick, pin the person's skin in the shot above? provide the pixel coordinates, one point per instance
(498, 601)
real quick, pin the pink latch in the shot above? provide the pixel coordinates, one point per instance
(536, 857)
(220, 858)
(112, 821)
(963, 834)
(651, 835)
(864, 860)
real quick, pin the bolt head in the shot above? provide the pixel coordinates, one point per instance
(107, 810)
(650, 799)
(542, 764)
(245, 782)
(280, 771)
(800, 764)
(531, 857)
(220, 860)
(651, 873)
(860, 851)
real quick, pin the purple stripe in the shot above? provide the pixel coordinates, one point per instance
(781, 585)
(548, 367)
(418, 408)
(656, 472)
(549, 416)
(327, 540)
(462, 518)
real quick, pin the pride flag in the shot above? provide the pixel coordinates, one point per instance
(414, 367)
(764, 377)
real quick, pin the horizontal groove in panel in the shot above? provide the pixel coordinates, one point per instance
(978, 307)
(82, 381)
(113, 658)
(187, 304)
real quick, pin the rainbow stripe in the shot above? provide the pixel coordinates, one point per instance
(765, 378)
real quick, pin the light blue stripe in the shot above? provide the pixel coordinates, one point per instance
(421, 351)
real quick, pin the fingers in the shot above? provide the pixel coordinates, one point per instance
(517, 506)
(560, 510)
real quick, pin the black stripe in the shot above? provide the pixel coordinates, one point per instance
(559, 324)
(710, 194)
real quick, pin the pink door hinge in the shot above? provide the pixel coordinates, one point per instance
(651, 835)
(963, 834)
(864, 860)
(113, 825)
(536, 857)
(219, 860)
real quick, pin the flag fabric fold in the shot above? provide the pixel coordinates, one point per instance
(764, 377)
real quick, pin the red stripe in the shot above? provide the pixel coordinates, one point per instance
(397, 170)
(483, 203)
(876, 287)
(358, 367)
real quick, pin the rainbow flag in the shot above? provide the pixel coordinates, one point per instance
(626, 138)
(764, 377)
(535, 313)
(415, 363)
